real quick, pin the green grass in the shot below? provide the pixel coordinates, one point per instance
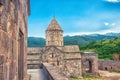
(115, 71)
(74, 78)
(86, 77)
(89, 76)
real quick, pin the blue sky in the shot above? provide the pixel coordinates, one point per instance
(76, 17)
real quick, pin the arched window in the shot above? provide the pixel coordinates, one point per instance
(57, 62)
(52, 55)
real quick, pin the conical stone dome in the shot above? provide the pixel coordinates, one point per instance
(54, 25)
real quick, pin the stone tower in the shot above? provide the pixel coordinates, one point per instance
(54, 34)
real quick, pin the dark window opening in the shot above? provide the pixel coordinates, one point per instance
(106, 68)
(48, 42)
(52, 55)
(57, 63)
(1, 4)
(1, 67)
(1, 7)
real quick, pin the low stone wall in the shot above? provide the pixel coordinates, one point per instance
(109, 65)
(49, 77)
(33, 66)
(53, 72)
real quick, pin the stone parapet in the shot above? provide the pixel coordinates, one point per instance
(53, 71)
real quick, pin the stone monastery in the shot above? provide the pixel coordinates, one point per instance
(68, 60)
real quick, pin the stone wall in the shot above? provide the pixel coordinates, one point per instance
(54, 37)
(89, 63)
(72, 67)
(109, 65)
(13, 39)
(34, 58)
(72, 64)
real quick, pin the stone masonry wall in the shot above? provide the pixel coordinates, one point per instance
(109, 65)
(72, 67)
(66, 63)
(54, 38)
(13, 39)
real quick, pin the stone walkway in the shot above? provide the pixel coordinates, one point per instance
(36, 74)
(110, 75)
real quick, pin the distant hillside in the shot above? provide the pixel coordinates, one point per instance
(104, 48)
(73, 40)
(36, 42)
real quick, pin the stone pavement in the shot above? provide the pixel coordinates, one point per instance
(39, 74)
(36, 74)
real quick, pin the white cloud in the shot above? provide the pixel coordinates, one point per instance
(115, 29)
(109, 24)
(114, 1)
(106, 23)
(113, 24)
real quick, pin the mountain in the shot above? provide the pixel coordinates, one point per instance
(74, 40)
(104, 48)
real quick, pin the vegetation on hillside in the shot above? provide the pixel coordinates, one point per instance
(105, 48)
(73, 40)
(36, 42)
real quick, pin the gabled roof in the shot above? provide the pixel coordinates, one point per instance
(36, 49)
(70, 48)
(53, 47)
(54, 25)
(64, 49)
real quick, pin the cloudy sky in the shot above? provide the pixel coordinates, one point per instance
(76, 17)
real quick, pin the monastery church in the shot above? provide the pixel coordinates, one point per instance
(67, 59)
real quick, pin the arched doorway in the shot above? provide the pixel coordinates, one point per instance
(88, 65)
